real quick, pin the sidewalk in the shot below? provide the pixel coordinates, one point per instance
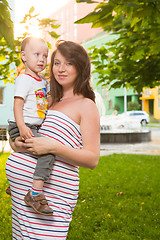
(149, 148)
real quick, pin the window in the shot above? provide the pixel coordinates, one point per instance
(1, 95)
(158, 90)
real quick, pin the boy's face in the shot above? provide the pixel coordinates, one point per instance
(35, 56)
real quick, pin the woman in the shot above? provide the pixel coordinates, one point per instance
(71, 133)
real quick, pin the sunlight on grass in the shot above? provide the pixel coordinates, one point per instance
(5, 206)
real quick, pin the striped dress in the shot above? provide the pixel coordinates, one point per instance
(61, 190)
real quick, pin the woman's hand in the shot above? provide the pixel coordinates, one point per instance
(18, 145)
(39, 145)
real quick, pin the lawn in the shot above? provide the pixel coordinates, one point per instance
(118, 200)
(5, 200)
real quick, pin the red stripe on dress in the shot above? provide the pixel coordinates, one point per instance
(62, 133)
(16, 233)
(31, 212)
(23, 158)
(22, 180)
(56, 190)
(45, 235)
(52, 137)
(47, 225)
(64, 124)
(65, 173)
(20, 169)
(68, 164)
(74, 185)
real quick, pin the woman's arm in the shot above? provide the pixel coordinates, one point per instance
(90, 129)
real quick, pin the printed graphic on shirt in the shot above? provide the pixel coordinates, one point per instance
(41, 99)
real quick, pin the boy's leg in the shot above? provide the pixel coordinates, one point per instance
(35, 198)
(44, 163)
(13, 130)
(13, 133)
(43, 167)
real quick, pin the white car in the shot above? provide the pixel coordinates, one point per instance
(138, 115)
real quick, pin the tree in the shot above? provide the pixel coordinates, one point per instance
(46, 25)
(9, 56)
(6, 24)
(133, 58)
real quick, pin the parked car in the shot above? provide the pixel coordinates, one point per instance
(138, 115)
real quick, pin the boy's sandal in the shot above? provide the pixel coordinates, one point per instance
(8, 191)
(38, 203)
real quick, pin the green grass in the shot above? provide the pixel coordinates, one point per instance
(5, 202)
(119, 200)
(153, 120)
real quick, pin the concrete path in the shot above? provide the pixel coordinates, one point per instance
(152, 147)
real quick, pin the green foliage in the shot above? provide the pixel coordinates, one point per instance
(88, 1)
(46, 25)
(6, 24)
(133, 106)
(117, 107)
(10, 57)
(153, 120)
(133, 58)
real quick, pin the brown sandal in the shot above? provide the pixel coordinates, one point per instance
(8, 191)
(38, 203)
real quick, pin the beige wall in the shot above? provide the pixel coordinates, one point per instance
(66, 17)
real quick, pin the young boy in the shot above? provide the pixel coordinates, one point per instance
(30, 107)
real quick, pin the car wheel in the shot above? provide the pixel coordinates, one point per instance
(143, 122)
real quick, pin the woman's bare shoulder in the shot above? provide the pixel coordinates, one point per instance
(88, 106)
(87, 102)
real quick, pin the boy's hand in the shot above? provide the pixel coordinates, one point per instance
(26, 133)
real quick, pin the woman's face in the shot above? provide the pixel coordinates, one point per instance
(64, 71)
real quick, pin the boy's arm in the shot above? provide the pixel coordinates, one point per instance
(25, 132)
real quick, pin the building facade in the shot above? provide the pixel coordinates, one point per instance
(151, 101)
(67, 15)
(114, 99)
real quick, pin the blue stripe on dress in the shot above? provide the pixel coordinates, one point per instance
(59, 189)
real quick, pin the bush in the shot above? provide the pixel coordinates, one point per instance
(117, 107)
(133, 106)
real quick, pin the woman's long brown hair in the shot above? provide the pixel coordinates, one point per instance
(77, 55)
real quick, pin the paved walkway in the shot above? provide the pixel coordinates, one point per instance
(152, 147)
(149, 148)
